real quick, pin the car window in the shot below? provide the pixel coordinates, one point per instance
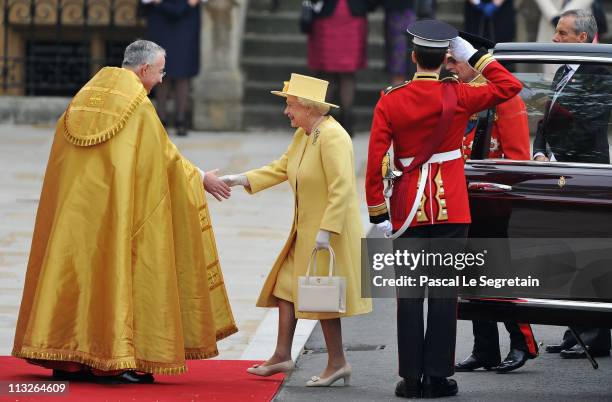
(562, 113)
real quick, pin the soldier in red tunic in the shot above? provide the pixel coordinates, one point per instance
(510, 140)
(425, 119)
(510, 130)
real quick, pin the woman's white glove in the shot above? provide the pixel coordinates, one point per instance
(235, 180)
(322, 239)
(385, 228)
(461, 49)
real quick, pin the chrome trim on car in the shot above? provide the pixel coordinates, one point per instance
(488, 187)
(537, 163)
(552, 57)
(553, 303)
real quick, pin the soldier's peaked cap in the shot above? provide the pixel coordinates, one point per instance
(432, 33)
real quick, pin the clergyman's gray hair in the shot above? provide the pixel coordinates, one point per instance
(141, 52)
(583, 22)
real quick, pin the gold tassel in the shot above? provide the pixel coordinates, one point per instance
(199, 355)
(225, 332)
(105, 365)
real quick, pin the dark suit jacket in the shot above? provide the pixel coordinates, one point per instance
(576, 128)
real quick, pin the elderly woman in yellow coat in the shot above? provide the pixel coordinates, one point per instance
(319, 165)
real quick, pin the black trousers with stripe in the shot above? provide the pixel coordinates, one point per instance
(486, 341)
(429, 353)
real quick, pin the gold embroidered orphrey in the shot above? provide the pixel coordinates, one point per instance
(561, 182)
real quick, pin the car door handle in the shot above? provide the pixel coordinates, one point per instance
(488, 187)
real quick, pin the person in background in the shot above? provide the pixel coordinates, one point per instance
(425, 9)
(337, 48)
(509, 140)
(569, 131)
(175, 25)
(491, 19)
(274, 4)
(574, 129)
(399, 14)
(117, 284)
(319, 166)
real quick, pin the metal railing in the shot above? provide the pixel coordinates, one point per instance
(52, 47)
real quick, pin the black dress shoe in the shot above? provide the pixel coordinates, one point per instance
(577, 352)
(516, 358)
(127, 377)
(557, 348)
(408, 388)
(471, 363)
(437, 387)
(62, 375)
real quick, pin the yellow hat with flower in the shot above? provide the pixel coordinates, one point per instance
(305, 87)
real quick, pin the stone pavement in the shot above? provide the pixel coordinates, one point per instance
(371, 345)
(250, 230)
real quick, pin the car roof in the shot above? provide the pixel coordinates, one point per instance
(580, 52)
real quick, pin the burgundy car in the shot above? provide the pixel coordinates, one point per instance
(568, 196)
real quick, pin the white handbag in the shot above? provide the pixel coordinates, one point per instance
(321, 294)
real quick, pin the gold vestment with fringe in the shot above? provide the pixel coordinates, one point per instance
(123, 270)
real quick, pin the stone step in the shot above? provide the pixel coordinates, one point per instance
(450, 7)
(274, 47)
(280, 23)
(274, 70)
(286, 22)
(258, 93)
(270, 45)
(283, 5)
(453, 6)
(271, 117)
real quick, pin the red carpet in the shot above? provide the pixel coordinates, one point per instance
(205, 380)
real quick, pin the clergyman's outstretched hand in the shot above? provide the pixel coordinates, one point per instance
(215, 186)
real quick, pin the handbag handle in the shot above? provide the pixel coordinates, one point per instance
(332, 261)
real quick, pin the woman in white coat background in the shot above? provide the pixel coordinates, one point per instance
(552, 9)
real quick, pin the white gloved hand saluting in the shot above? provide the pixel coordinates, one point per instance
(461, 49)
(385, 228)
(322, 239)
(235, 180)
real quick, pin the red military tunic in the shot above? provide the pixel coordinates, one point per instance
(407, 116)
(510, 131)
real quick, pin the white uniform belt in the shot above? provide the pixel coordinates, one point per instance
(436, 158)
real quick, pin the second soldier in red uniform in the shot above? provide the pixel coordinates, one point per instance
(509, 140)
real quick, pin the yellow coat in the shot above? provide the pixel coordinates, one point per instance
(321, 171)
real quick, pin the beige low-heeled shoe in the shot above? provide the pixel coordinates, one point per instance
(344, 373)
(266, 371)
